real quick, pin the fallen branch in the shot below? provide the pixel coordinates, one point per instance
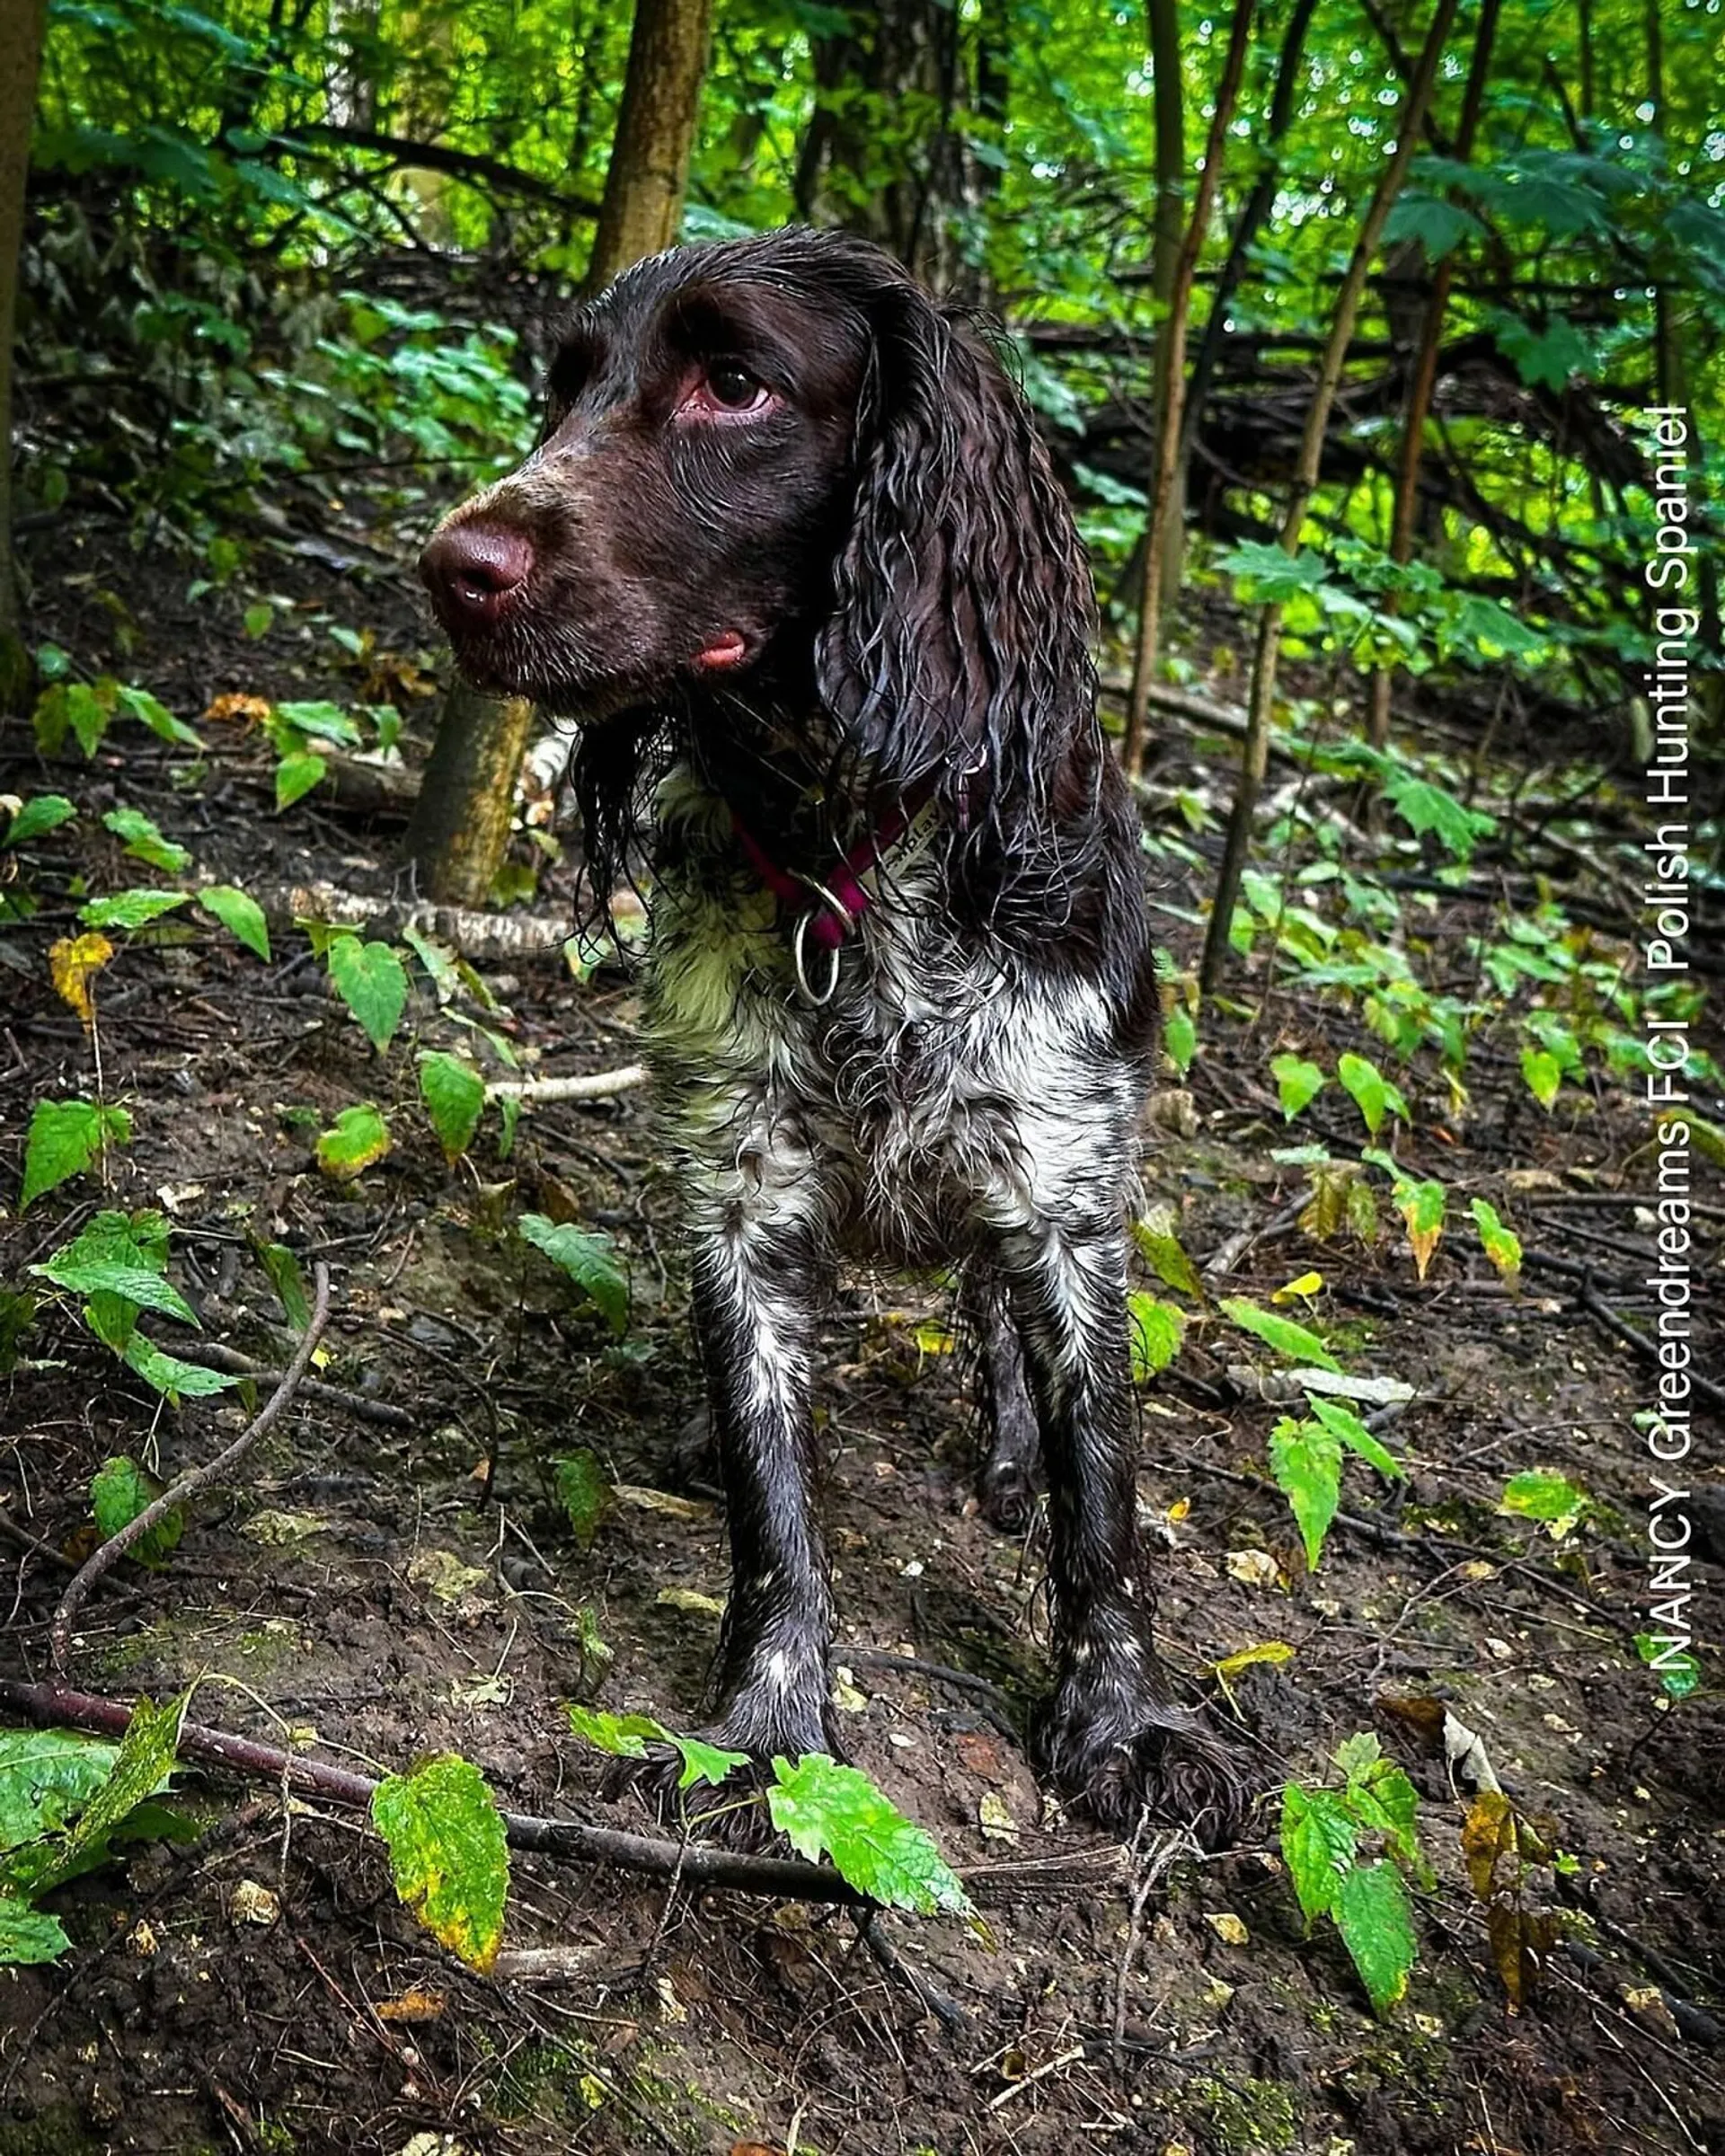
(698, 1864)
(587, 1085)
(1595, 1304)
(196, 1478)
(363, 1409)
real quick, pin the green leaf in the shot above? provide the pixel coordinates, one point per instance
(283, 1271)
(359, 1136)
(1179, 1039)
(169, 1375)
(372, 982)
(257, 618)
(41, 813)
(296, 775)
(1503, 1245)
(240, 914)
(825, 1809)
(1341, 1422)
(1543, 1073)
(1318, 1838)
(110, 1276)
(1679, 1671)
(449, 1852)
(74, 707)
(584, 1491)
(1306, 1459)
(454, 1094)
(1423, 807)
(1552, 1499)
(327, 720)
(65, 1137)
(1375, 1917)
(1370, 1091)
(47, 1776)
(142, 1768)
(1297, 1082)
(1383, 1799)
(628, 1736)
(130, 909)
(151, 712)
(589, 1260)
(145, 840)
(1270, 573)
(118, 1492)
(1158, 1330)
(28, 1936)
(1439, 226)
(1295, 1342)
(1162, 1252)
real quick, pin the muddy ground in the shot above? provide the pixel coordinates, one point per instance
(371, 1590)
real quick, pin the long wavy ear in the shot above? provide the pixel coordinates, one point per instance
(957, 653)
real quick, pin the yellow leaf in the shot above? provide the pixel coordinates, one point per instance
(1268, 1650)
(1301, 1290)
(72, 963)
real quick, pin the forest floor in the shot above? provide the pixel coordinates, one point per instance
(373, 1590)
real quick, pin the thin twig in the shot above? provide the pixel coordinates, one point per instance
(196, 1478)
(214, 1357)
(703, 1866)
(589, 1085)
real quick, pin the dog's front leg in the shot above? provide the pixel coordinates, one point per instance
(762, 1277)
(1113, 1735)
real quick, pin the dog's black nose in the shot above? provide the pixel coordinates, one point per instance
(473, 570)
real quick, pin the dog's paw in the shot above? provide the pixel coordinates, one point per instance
(1124, 1754)
(1006, 1494)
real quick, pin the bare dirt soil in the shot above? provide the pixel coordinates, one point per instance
(372, 1589)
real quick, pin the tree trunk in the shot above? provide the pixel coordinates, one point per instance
(459, 831)
(1169, 93)
(21, 25)
(1424, 375)
(648, 174)
(1164, 482)
(1255, 755)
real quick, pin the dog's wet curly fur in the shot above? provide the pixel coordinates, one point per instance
(791, 551)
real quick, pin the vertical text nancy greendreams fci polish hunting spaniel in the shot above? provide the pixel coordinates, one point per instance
(791, 553)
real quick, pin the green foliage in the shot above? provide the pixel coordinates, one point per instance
(120, 1262)
(35, 817)
(584, 1491)
(1500, 1244)
(118, 1492)
(241, 915)
(65, 1136)
(628, 1736)
(454, 1094)
(65, 1800)
(372, 982)
(1158, 1330)
(823, 1809)
(1371, 1092)
(1552, 1499)
(1162, 1251)
(589, 1260)
(130, 909)
(354, 1142)
(1294, 1343)
(1679, 1673)
(1367, 1898)
(143, 840)
(449, 1852)
(1297, 1082)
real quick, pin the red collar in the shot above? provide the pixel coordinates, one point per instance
(827, 908)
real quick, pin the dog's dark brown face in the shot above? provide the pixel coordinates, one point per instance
(685, 504)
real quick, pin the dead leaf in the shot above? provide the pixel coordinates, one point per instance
(73, 964)
(412, 2006)
(236, 708)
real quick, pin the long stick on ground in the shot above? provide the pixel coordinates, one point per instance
(195, 1479)
(1254, 757)
(697, 1864)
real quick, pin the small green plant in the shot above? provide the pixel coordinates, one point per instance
(118, 1264)
(1365, 1897)
(450, 1851)
(66, 1801)
(589, 1260)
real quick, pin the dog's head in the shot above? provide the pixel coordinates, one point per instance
(777, 462)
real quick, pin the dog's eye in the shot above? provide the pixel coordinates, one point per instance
(729, 386)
